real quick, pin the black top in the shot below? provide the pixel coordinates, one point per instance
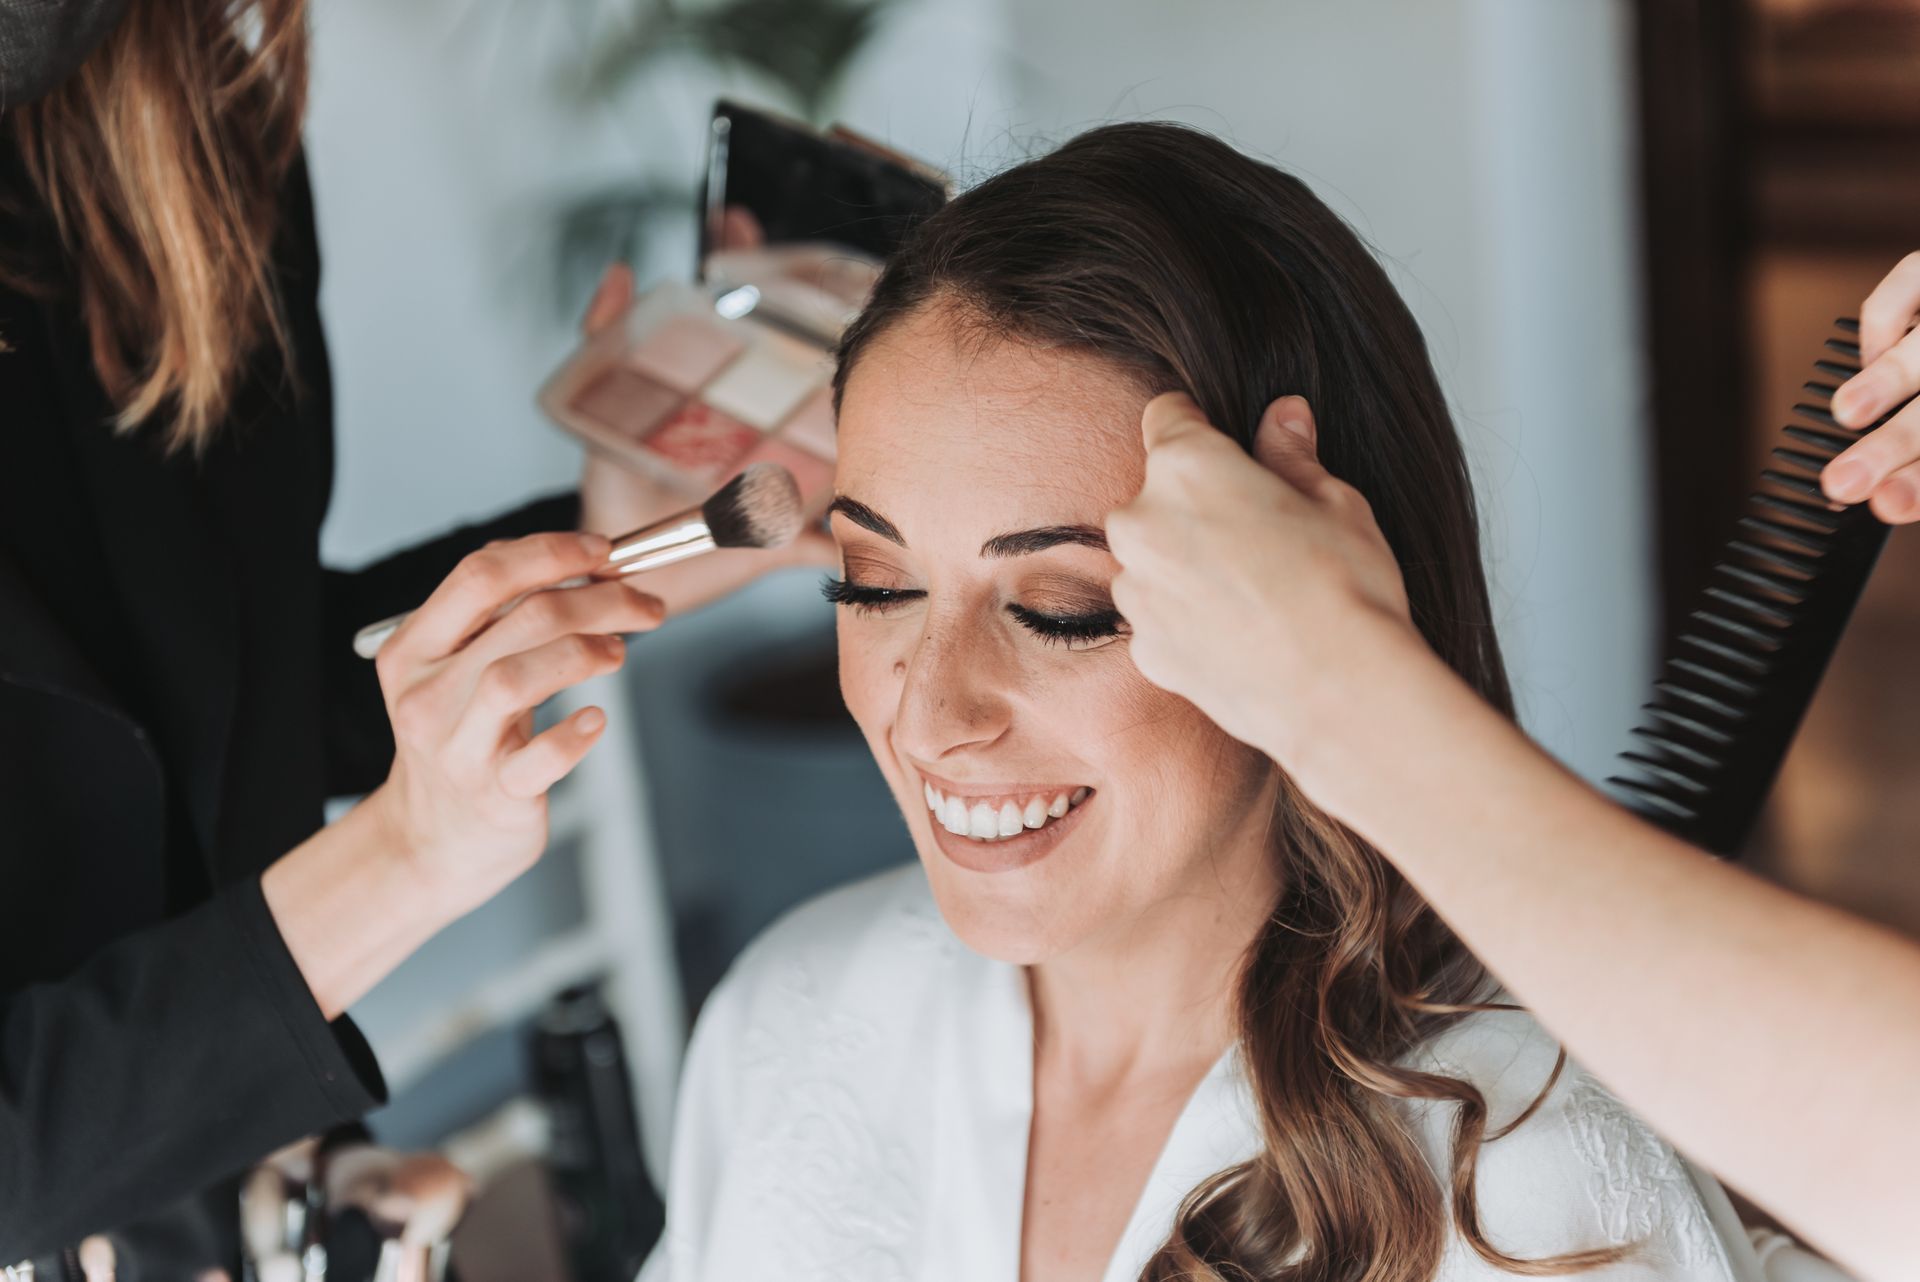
(178, 695)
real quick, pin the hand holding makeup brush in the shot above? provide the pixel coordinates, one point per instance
(464, 810)
(1250, 584)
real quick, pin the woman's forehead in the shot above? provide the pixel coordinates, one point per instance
(993, 428)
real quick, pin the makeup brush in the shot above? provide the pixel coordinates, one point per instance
(760, 508)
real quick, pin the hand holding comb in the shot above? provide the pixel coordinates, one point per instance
(1738, 679)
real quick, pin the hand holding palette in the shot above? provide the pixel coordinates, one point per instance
(693, 389)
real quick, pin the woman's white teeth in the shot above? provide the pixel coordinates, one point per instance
(982, 822)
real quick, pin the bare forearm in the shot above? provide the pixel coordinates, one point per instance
(350, 908)
(1772, 1037)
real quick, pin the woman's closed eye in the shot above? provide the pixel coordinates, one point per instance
(1075, 629)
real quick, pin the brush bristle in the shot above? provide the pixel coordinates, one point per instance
(760, 508)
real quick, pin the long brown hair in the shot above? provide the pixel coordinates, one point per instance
(1193, 267)
(161, 162)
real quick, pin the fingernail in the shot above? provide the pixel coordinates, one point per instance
(595, 544)
(591, 719)
(1851, 401)
(1299, 427)
(1846, 482)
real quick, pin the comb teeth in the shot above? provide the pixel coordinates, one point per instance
(1766, 581)
(1802, 565)
(1653, 803)
(1674, 748)
(1767, 527)
(1832, 442)
(1813, 514)
(1795, 484)
(1813, 412)
(1737, 680)
(1765, 642)
(1749, 663)
(1801, 459)
(1764, 611)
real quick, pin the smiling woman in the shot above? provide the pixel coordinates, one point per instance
(1140, 1011)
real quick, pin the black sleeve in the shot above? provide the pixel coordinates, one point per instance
(359, 741)
(234, 1060)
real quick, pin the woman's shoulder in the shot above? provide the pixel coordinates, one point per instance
(1580, 1172)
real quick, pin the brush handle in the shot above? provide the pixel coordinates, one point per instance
(675, 538)
(368, 640)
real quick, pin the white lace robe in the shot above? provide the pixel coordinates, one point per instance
(855, 1106)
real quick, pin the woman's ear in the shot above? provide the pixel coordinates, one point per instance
(1286, 432)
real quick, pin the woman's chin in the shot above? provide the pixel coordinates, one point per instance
(1022, 918)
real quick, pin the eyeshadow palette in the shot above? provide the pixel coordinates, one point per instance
(691, 389)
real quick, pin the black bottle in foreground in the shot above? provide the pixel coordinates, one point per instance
(610, 1214)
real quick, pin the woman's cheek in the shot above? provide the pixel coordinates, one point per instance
(870, 675)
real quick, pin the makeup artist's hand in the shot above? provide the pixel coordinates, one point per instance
(1250, 584)
(1884, 466)
(615, 498)
(466, 802)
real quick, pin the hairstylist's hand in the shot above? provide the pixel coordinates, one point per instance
(466, 801)
(1884, 466)
(1248, 583)
(615, 498)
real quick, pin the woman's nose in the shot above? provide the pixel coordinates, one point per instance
(953, 693)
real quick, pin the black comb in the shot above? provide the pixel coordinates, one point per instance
(1739, 677)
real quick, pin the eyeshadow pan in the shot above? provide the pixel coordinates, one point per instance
(702, 441)
(684, 352)
(625, 403)
(814, 476)
(765, 384)
(811, 427)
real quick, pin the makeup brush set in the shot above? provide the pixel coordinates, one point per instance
(1745, 665)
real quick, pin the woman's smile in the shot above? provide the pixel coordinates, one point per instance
(1000, 827)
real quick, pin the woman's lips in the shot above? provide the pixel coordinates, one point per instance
(1013, 843)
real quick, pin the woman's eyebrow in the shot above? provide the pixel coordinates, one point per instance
(1023, 542)
(866, 518)
(1016, 543)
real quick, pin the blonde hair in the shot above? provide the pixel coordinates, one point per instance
(161, 161)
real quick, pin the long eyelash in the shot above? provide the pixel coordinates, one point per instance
(867, 600)
(1097, 625)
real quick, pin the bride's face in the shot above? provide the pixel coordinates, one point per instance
(1055, 795)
